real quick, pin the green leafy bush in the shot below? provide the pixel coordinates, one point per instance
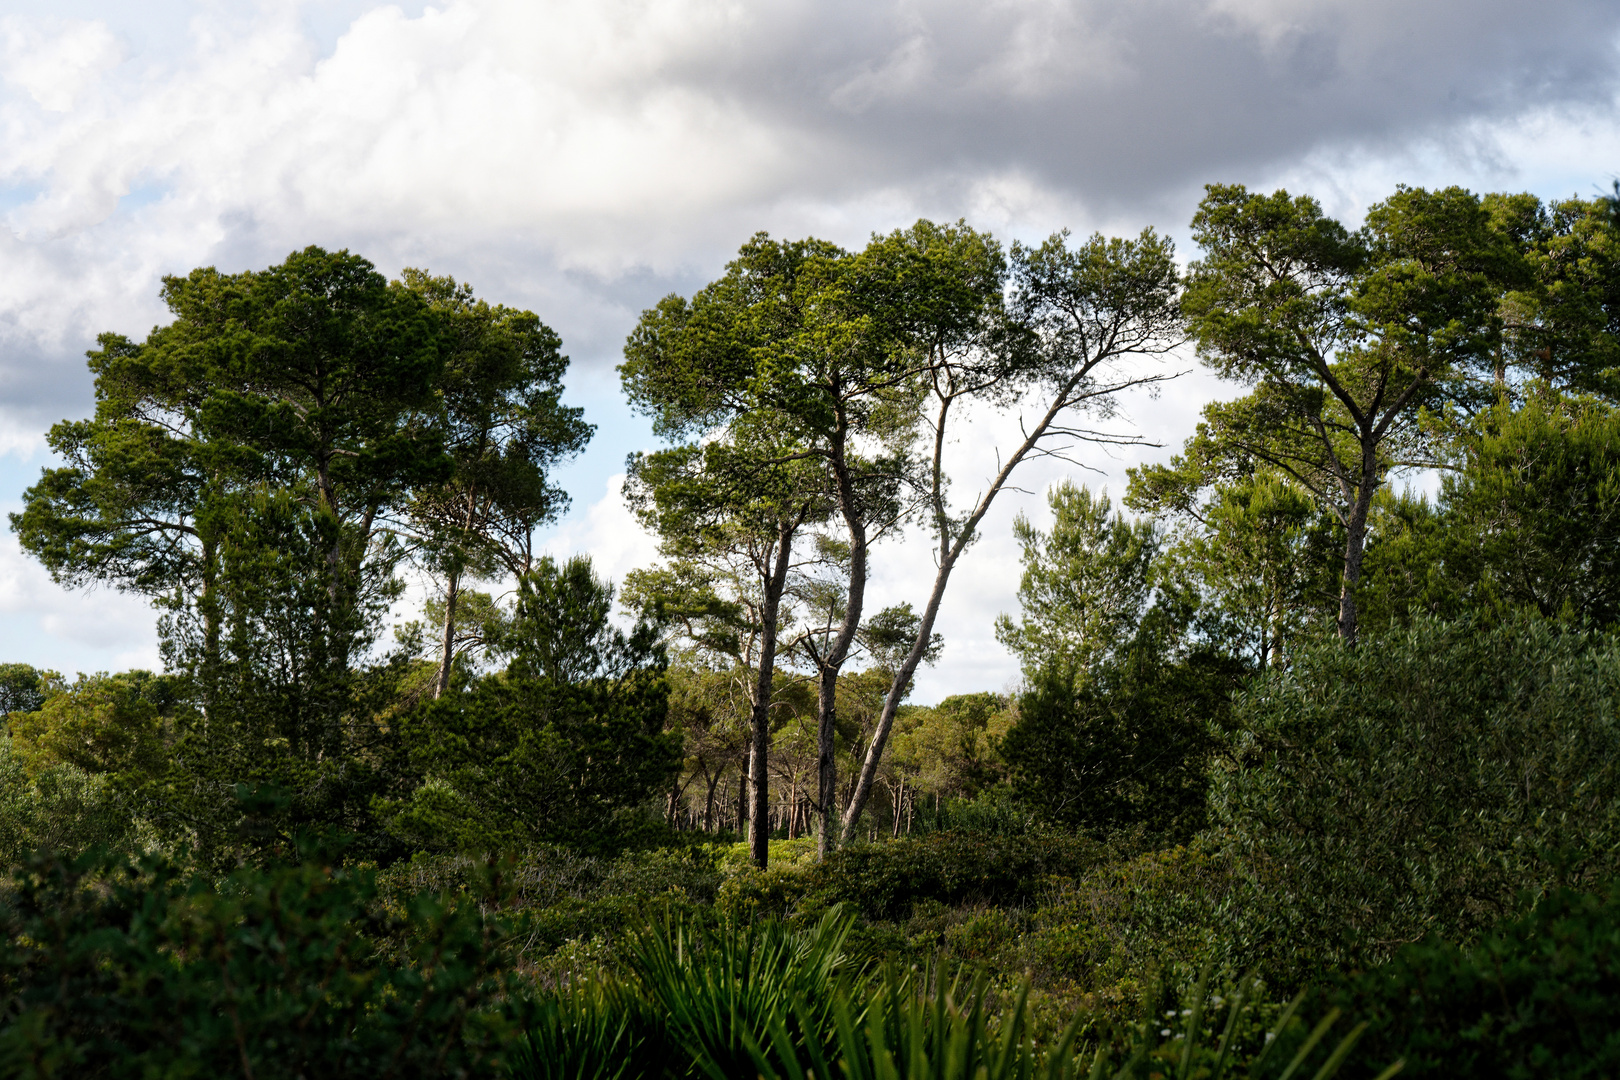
(1538, 996)
(883, 881)
(1126, 744)
(59, 807)
(1418, 783)
(1110, 933)
(113, 968)
(516, 761)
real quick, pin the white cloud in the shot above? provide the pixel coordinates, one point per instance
(54, 68)
(584, 157)
(88, 630)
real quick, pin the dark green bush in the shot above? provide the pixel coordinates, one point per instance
(1111, 932)
(1418, 783)
(113, 968)
(1539, 996)
(517, 761)
(884, 881)
(1126, 745)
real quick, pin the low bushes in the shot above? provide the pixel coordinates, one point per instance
(1417, 784)
(786, 1005)
(113, 968)
(1537, 996)
(884, 881)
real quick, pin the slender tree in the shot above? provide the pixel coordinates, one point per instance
(1081, 316)
(745, 476)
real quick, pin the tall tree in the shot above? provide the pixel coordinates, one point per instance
(721, 376)
(1259, 557)
(243, 468)
(1081, 316)
(504, 427)
(1345, 338)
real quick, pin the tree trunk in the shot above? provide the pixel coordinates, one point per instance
(708, 801)
(759, 822)
(854, 515)
(447, 651)
(950, 550)
(1355, 544)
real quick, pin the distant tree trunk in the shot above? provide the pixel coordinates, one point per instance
(447, 650)
(708, 800)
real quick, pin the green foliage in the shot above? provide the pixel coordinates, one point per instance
(103, 723)
(1530, 520)
(883, 881)
(1086, 584)
(1535, 997)
(1124, 747)
(561, 631)
(949, 750)
(1418, 783)
(958, 1033)
(697, 1002)
(1106, 935)
(24, 688)
(1259, 561)
(60, 808)
(767, 1002)
(115, 968)
(511, 761)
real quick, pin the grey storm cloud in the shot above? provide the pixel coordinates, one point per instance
(1116, 101)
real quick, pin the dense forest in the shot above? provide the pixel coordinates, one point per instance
(1308, 772)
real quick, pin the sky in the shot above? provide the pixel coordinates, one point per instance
(584, 158)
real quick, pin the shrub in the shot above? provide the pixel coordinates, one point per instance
(60, 807)
(1125, 745)
(883, 881)
(516, 761)
(1538, 996)
(1418, 783)
(784, 1005)
(1116, 929)
(114, 968)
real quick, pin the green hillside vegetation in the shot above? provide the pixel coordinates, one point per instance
(1308, 774)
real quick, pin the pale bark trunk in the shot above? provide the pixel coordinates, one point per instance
(950, 550)
(447, 651)
(833, 662)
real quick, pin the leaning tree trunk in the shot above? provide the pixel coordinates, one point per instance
(447, 651)
(827, 686)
